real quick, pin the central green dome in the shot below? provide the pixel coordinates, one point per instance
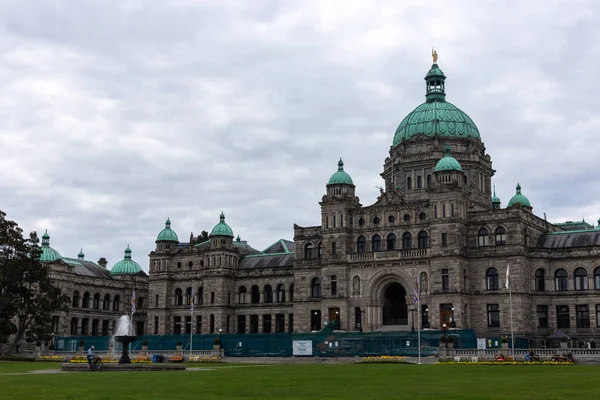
(222, 229)
(340, 176)
(436, 117)
(126, 266)
(167, 234)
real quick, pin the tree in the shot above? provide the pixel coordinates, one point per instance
(27, 297)
(202, 237)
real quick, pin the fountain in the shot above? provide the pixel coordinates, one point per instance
(122, 336)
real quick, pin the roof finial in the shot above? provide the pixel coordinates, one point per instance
(340, 165)
(434, 55)
(518, 187)
(494, 190)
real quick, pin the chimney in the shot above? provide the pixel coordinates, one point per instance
(102, 262)
(191, 240)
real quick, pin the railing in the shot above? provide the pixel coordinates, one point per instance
(523, 352)
(387, 255)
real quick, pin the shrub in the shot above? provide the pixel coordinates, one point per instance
(145, 343)
(564, 339)
(217, 341)
(449, 339)
(81, 343)
(179, 343)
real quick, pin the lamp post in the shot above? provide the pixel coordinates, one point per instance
(445, 328)
(412, 317)
(426, 319)
(452, 323)
(220, 341)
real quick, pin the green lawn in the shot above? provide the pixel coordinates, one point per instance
(362, 381)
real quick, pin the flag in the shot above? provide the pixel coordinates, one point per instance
(507, 275)
(192, 302)
(416, 295)
(133, 302)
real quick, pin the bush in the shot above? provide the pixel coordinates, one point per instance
(449, 339)
(145, 343)
(564, 339)
(179, 343)
(15, 358)
(81, 343)
(217, 341)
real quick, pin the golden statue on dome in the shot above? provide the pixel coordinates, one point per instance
(434, 55)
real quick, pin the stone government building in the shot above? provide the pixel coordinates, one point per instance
(437, 218)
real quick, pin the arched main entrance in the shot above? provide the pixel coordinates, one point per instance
(395, 311)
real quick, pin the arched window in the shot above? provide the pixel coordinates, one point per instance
(280, 293)
(597, 278)
(200, 295)
(561, 280)
(106, 302)
(428, 181)
(356, 285)
(75, 299)
(540, 280)
(188, 296)
(391, 241)
(254, 295)
(376, 243)
(178, 297)
(423, 240)
(86, 300)
(419, 182)
(242, 295)
(319, 250)
(491, 278)
(268, 294)
(309, 251)
(361, 244)
(483, 237)
(407, 240)
(581, 279)
(315, 288)
(96, 302)
(291, 292)
(409, 183)
(117, 303)
(140, 302)
(500, 236)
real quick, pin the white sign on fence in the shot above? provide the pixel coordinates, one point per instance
(481, 343)
(302, 347)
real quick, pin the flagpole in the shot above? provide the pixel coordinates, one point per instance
(419, 328)
(191, 320)
(417, 305)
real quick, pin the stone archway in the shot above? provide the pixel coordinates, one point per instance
(395, 309)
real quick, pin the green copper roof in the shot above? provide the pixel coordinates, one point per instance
(436, 117)
(519, 198)
(48, 253)
(126, 266)
(341, 177)
(167, 234)
(447, 163)
(221, 229)
(494, 198)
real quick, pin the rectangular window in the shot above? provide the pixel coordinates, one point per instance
(177, 325)
(333, 248)
(254, 324)
(583, 315)
(291, 323)
(334, 285)
(156, 325)
(212, 297)
(198, 324)
(542, 316)
(74, 322)
(326, 222)
(445, 279)
(334, 220)
(229, 298)
(84, 326)
(267, 323)
(241, 324)
(598, 315)
(156, 301)
(212, 323)
(435, 211)
(279, 323)
(443, 211)
(341, 220)
(444, 239)
(452, 210)
(493, 315)
(563, 320)
(188, 324)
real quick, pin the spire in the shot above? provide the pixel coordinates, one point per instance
(127, 252)
(518, 188)
(168, 223)
(435, 79)
(46, 239)
(340, 165)
(495, 200)
(222, 217)
(81, 256)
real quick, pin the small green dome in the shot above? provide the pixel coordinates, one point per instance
(341, 177)
(81, 256)
(519, 198)
(126, 266)
(48, 253)
(167, 234)
(221, 229)
(495, 200)
(436, 117)
(447, 163)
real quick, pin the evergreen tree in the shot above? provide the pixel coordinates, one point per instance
(202, 237)
(27, 297)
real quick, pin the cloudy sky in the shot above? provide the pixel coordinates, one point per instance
(115, 115)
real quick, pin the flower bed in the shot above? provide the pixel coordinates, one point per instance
(142, 360)
(204, 359)
(384, 360)
(494, 361)
(83, 359)
(53, 358)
